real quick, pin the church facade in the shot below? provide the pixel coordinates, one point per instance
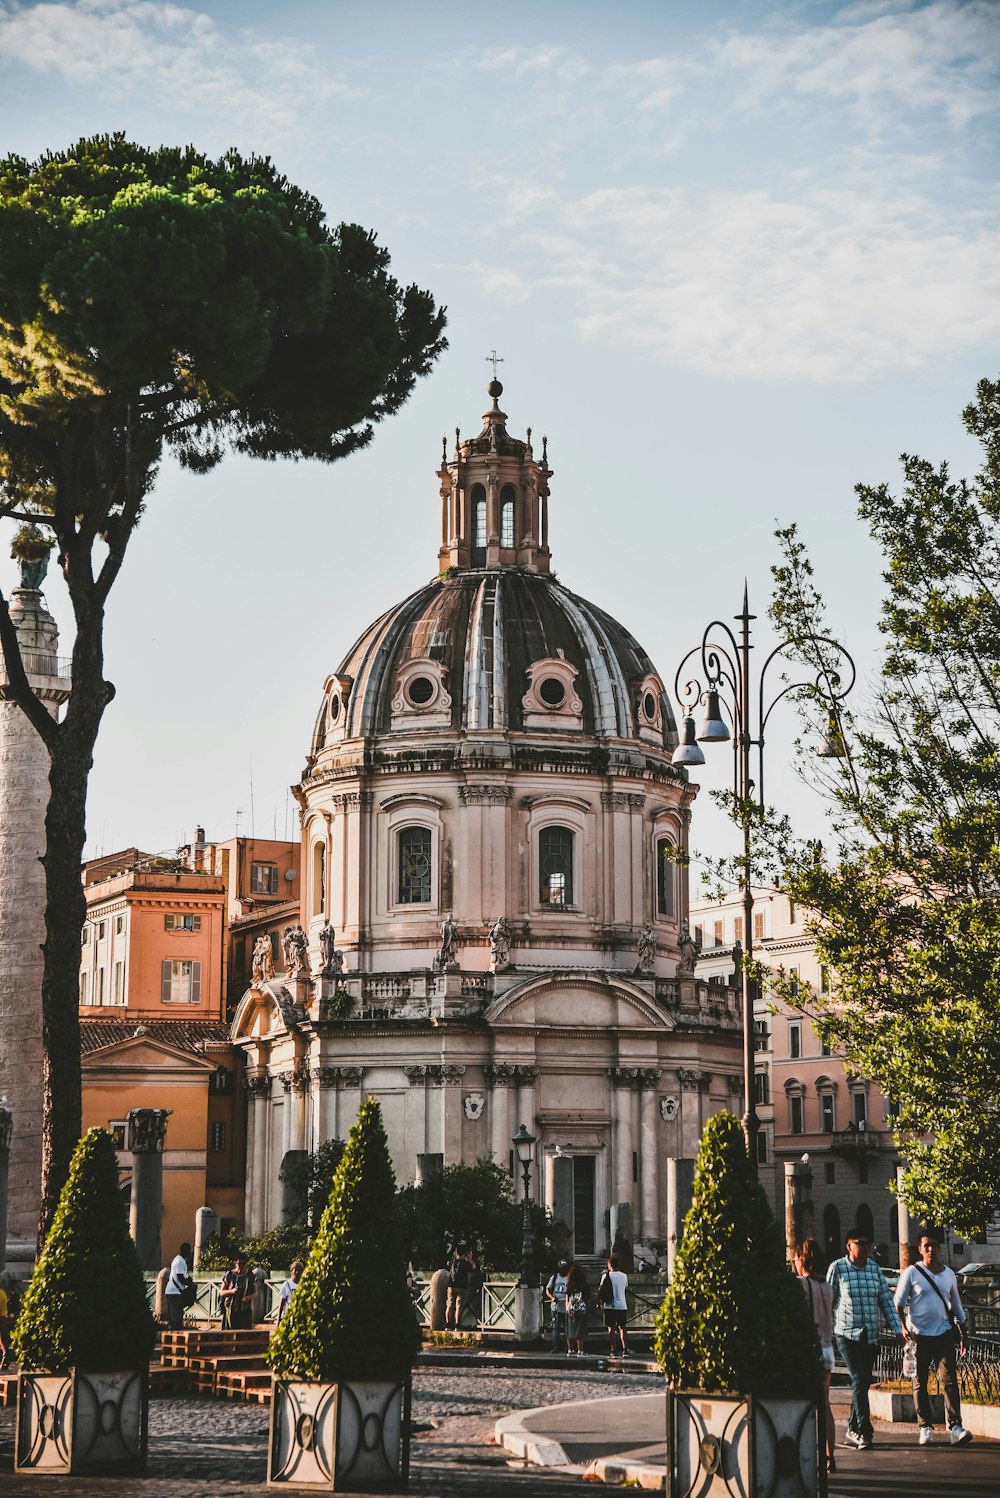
(494, 923)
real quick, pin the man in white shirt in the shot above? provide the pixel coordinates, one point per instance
(177, 1283)
(555, 1291)
(288, 1288)
(932, 1314)
(611, 1297)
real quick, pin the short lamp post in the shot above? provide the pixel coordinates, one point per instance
(725, 690)
(524, 1148)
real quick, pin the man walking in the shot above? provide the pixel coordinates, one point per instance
(860, 1297)
(933, 1316)
(459, 1289)
(555, 1291)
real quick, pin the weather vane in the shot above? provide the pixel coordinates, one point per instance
(493, 358)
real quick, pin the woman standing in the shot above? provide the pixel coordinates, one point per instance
(577, 1295)
(809, 1268)
(236, 1295)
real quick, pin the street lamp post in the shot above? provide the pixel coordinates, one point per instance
(724, 685)
(524, 1148)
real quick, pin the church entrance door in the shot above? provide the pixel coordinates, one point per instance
(583, 1204)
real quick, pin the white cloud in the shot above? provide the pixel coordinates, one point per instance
(833, 286)
(125, 48)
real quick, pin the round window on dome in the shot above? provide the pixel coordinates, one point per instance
(649, 707)
(552, 692)
(334, 708)
(420, 691)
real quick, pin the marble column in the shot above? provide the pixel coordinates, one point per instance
(501, 1133)
(902, 1219)
(451, 1113)
(799, 1217)
(147, 1132)
(648, 1154)
(527, 1076)
(6, 1129)
(259, 1092)
(623, 1080)
(680, 1189)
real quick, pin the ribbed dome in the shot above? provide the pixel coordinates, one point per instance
(482, 634)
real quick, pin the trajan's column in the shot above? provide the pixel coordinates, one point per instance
(24, 794)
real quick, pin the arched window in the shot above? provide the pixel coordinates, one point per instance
(507, 515)
(555, 866)
(666, 871)
(319, 879)
(414, 866)
(831, 1231)
(478, 526)
(866, 1223)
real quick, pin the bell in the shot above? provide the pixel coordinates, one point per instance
(831, 745)
(687, 751)
(714, 729)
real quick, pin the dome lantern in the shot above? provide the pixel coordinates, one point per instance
(494, 499)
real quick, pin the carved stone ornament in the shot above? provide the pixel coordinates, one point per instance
(331, 960)
(294, 944)
(498, 1075)
(474, 1103)
(485, 795)
(647, 948)
(649, 1076)
(452, 1075)
(6, 1128)
(147, 1130)
(446, 951)
(297, 1079)
(258, 1085)
(690, 951)
(623, 1076)
(501, 936)
(694, 1081)
(262, 963)
(669, 1108)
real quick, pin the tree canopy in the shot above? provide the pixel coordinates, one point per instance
(471, 1204)
(907, 908)
(157, 301)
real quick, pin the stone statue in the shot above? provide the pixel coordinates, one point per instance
(31, 552)
(295, 944)
(332, 960)
(262, 964)
(647, 949)
(690, 951)
(446, 951)
(501, 935)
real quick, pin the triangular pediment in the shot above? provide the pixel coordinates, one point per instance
(143, 1053)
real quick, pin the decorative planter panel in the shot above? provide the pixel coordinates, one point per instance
(728, 1446)
(347, 1437)
(81, 1422)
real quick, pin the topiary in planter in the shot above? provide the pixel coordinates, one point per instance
(734, 1320)
(86, 1304)
(351, 1318)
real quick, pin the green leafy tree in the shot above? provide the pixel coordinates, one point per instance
(86, 1304)
(310, 1178)
(154, 302)
(475, 1205)
(277, 1248)
(907, 908)
(734, 1320)
(351, 1316)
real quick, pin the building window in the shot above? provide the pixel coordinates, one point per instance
(795, 1041)
(119, 924)
(761, 1089)
(793, 980)
(866, 1223)
(718, 933)
(478, 525)
(222, 1081)
(761, 1148)
(555, 866)
(83, 988)
(180, 982)
(830, 1173)
(824, 978)
(738, 929)
(832, 1242)
(100, 985)
(791, 912)
(319, 878)
(507, 515)
(863, 1172)
(859, 1109)
(118, 1129)
(758, 925)
(825, 1048)
(665, 878)
(414, 866)
(100, 930)
(263, 878)
(85, 935)
(118, 983)
(182, 923)
(216, 1137)
(795, 1118)
(826, 1112)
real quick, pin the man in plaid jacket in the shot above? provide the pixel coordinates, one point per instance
(861, 1300)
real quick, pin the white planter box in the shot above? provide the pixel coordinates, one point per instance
(732, 1446)
(348, 1437)
(81, 1422)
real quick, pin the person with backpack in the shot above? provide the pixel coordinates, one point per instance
(555, 1291)
(577, 1296)
(611, 1299)
(459, 1289)
(933, 1317)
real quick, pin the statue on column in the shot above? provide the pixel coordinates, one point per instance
(647, 949)
(262, 964)
(30, 550)
(690, 952)
(332, 961)
(295, 944)
(501, 936)
(446, 951)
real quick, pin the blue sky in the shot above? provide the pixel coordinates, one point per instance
(736, 258)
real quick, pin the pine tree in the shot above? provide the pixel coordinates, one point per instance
(733, 1320)
(86, 1305)
(351, 1317)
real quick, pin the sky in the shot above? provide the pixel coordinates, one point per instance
(736, 258)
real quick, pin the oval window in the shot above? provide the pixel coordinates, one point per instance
(649, 706)
(420, 691)
(552, 691)
(334, 709)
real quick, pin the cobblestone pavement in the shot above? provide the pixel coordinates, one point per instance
(199, 1447)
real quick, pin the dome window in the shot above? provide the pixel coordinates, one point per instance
(414, 866)
(421, 700)
(479, 532)
(649, 706)
(332, 722)
(551, 700)
(552, 692)
(555, 867)
(420, 691)
(649, 709)
(334, 708)
(666, 879)
(507, 516)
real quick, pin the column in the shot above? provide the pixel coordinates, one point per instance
(526, 1078)
(326, 1104)
(799, 1222)
(902, 1219)
(147, 1131)
(6, 1129)
(259, 1092)
(622, 1082)
(451, 1113)
(680, 1189)
(694, 1086)
(501, 1132)
(650, 1223)
(351, 1081)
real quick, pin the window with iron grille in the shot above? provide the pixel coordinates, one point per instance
(414, 866)
(263, 879)
(216, 1137)
(665, 879)
(555, 866)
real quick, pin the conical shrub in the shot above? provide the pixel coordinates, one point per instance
(351, 1317)
(86, 1305)
(734, 1320)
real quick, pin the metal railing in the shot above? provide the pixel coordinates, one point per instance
(207, 1305)
(978, 1372)
(41, 663)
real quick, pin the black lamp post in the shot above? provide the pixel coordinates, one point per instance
(724, 662)
(524, 1148)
